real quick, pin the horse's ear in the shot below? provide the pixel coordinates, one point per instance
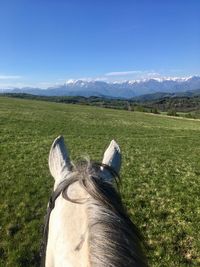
(59, 161)
(112, 158)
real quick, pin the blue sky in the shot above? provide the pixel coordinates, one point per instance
(45, 42)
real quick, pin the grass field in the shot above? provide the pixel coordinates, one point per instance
(160, 175)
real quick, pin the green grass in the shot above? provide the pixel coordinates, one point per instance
(160, 175)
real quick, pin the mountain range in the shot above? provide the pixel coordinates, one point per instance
(127, 89)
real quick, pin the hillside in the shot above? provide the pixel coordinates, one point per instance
(160, 174)
(188, 103)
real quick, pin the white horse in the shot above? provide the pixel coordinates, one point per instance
(86, 223)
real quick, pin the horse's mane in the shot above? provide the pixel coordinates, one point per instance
(114, 241)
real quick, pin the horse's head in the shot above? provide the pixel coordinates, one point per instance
(86, 223)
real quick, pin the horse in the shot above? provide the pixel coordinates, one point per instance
(86, 223)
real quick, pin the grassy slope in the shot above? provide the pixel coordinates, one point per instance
(160, 175)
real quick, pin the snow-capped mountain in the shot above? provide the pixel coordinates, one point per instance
(127, 89)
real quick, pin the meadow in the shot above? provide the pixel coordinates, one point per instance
(160, 175)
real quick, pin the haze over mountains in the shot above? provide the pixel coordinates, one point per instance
(127, 89)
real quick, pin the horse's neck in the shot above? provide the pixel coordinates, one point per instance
(68, 236)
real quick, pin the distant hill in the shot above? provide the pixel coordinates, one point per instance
(158, 102)
(126, 90)
(161, 95)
